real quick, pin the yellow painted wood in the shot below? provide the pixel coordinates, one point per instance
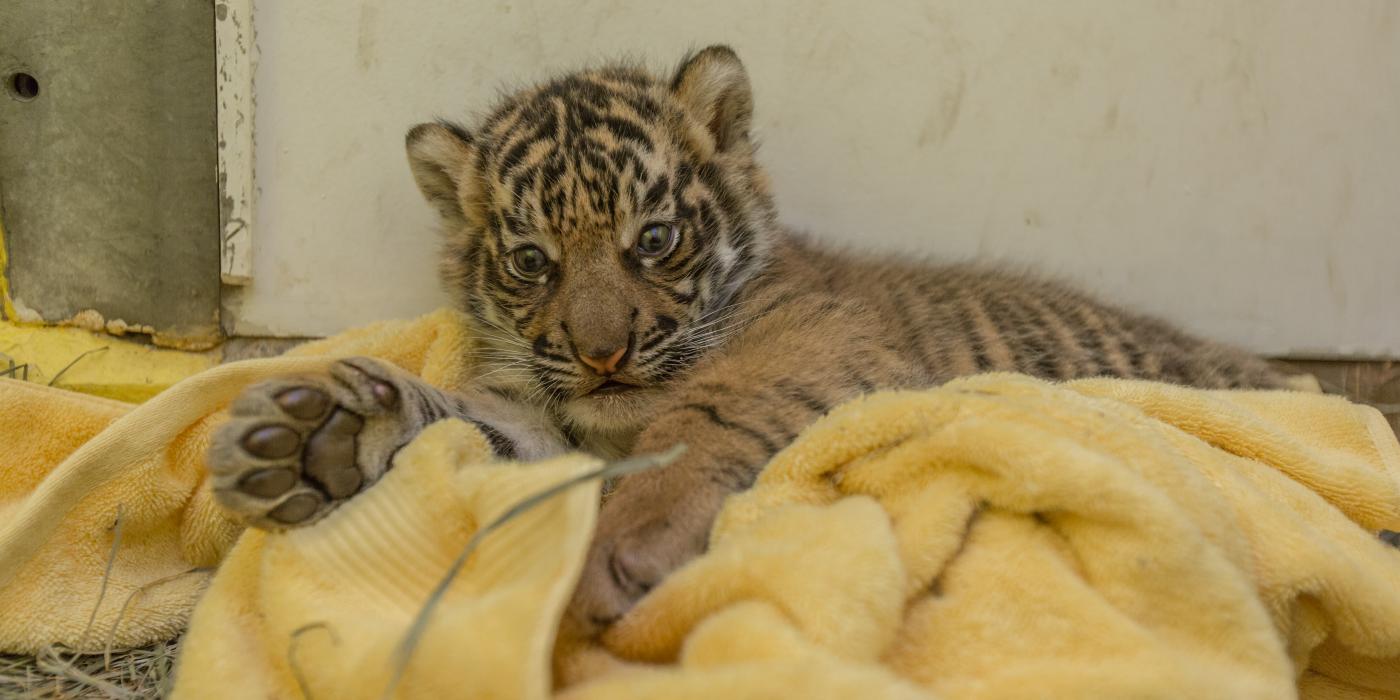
(95, 363)
(6, 305)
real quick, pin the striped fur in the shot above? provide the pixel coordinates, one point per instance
(745, 332)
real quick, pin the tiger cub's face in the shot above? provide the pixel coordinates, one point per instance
(597, 226)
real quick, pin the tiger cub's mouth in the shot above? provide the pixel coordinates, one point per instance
(612, 387)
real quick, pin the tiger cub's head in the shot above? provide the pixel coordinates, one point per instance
(597, 227)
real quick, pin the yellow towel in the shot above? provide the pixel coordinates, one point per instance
(78, 472)
(318, 612)
(1103, 539)
(996, 537)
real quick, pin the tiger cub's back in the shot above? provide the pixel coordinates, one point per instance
(958, 320)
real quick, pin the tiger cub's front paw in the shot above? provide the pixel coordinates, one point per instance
(296, 447)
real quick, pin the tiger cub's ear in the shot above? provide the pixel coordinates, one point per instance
(439, 154)
(714, 87)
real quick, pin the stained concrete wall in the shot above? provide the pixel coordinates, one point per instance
(107, 177)
(1229, 165)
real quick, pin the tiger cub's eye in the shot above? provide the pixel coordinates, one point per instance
(529, 261)
(657, 240)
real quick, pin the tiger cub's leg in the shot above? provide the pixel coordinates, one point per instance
(296, 447)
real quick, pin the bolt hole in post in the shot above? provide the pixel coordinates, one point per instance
(23, 86)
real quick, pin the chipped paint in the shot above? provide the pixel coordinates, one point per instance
(22, 313)
(191, 340)
(235, 51)
(91, 320)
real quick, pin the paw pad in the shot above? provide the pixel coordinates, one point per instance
(272, 442)
(303, 403)
(295, 509)
(385, 394)
(268, 483)
(330, 454)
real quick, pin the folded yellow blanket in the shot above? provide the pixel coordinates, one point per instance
(996, 537)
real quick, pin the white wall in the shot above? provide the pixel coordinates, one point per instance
(1234, 166)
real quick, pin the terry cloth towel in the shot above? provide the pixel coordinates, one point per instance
(108, 529)
(996, 537)
(999, 537)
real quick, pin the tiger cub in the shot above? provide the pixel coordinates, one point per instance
(616, 243)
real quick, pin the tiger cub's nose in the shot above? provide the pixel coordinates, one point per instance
(604, 362)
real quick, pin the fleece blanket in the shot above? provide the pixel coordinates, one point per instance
(995, 537)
